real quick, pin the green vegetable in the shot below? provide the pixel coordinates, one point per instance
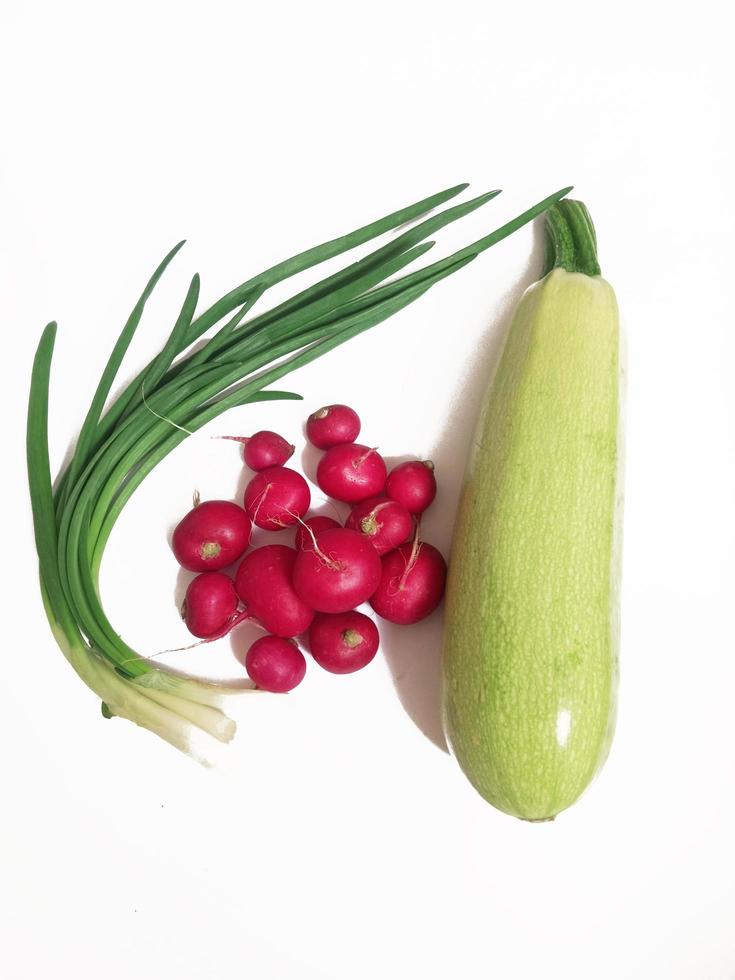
(530, 656)
(173, 396)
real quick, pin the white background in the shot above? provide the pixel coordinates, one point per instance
(336, 840)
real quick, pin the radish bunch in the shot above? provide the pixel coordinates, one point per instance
(312, 590)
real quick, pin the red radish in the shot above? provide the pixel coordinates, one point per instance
(277, 497)
(332, 425)
(263, 582)
(412, 484)
(264, 449)
(351, 472)
(340, 573)
(275, 664)
(316, 525)
(212, 535)
(210, 604)
(411, 584)
(385, 522)
(343, 643)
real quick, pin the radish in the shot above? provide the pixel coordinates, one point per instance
(351, 472)
(412, 484)
(264, 449)
(313, 526)
(212, 535)
(332, 425)
(343, 643)
(210, 604)
(411, 584)
(277, 497)
(275, 664)
(263, 582)
(338, 574)
(385, 522)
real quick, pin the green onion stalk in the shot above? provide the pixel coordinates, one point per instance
(185, 386)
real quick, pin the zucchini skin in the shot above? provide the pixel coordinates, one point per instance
(530, 656)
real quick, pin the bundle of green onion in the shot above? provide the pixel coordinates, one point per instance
(173, 396)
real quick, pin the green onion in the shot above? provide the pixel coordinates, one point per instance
(173, 396)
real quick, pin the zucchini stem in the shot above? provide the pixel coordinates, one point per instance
(571, 243)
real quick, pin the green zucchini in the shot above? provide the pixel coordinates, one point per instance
(530, 656)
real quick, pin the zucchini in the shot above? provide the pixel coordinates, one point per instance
(530, 654)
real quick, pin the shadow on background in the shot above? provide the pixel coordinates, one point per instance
(413, 654)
